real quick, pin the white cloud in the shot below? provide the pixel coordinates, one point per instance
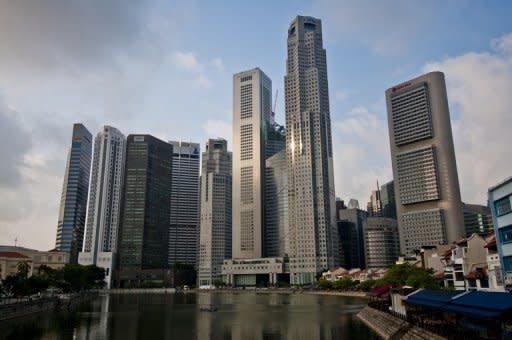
(215, 128)
(479, 87)
(503, 44)
(361, 154)
(218, 64)
(203, 81)
(186, 61)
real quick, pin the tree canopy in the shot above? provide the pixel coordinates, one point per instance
(71, 278)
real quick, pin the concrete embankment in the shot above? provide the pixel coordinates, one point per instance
(389, 327)
(338, 293)
(139, 291)
(22, 308)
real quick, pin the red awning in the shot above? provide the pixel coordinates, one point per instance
(379, 291)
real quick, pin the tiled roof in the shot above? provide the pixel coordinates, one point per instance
(12, 254)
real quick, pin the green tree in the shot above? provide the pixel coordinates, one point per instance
(23, 269)
(324, 284)
(344, 283)
(407, 274)
(367, 285)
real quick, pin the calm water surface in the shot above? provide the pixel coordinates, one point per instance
(240, 316)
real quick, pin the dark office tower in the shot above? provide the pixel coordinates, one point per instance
(350, 229)
(276, 206)
(428, 204)
(184, 227)
(381, 245)
(477, 219)
(215, 221)
(313, 232)
(73, 202)
(276, 138)
(144, 235)
(387, 198)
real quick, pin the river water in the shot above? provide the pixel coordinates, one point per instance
(239, 316)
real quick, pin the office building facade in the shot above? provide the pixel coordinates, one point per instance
(276, 241)
(73, 203)
(428, 203)
(374, 207)
(145, 217)
(351, 237)
(311, 200)
(477, 219)
(387, 198)
(215, 241)
(252, 101)
(381, 242)
(500, 202)
(184, 227)
(104, 208)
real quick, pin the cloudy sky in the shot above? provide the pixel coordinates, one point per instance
(166, 68)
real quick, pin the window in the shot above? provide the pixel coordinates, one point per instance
(502, 206)
(506, 234)
(507, 264)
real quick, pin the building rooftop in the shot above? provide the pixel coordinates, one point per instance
(502, 183)
(12, 254)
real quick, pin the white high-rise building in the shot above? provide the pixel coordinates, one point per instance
(252, 109)
(428, 203)
(312, 210)
(184, 226)
(215, 218)
(104, 206)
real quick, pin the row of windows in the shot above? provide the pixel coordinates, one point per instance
(412, 119)
(503, 206)
(417, 176)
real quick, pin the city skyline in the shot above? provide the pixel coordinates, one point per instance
(37, 130)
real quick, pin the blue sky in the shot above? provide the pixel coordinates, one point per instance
(166, 68)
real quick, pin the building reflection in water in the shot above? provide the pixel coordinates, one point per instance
(240, 316)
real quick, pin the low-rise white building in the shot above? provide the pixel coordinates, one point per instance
(254, 272)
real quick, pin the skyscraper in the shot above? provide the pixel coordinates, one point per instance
(477, 219)
(184, 227)
(424, 169)
(387, 198)
(276, 241)
(374, 207)
(350, 230)
(381, 245)
(145, 216)
(73, 202)
(313, 233)
(252, 101)
(215, 219)
(103, 212)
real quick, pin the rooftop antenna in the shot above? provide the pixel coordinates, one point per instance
(15, 241)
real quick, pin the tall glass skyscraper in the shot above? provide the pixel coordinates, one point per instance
(145, 216)
(73, 202)
(184, 227)
(312, 211)
(103, 212)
